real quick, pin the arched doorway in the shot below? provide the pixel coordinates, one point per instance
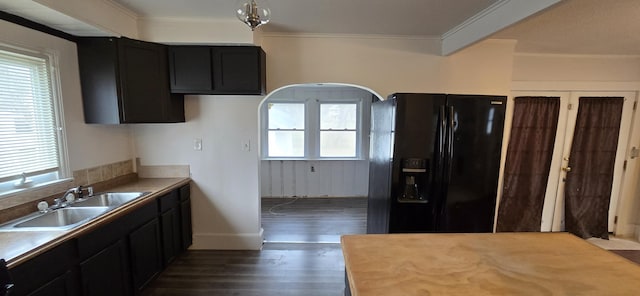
(314, 162)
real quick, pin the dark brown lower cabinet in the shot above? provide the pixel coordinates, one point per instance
(118, 258)
(106, 273)
(171, 240)
(146, 256)
(185, 224)
(51, 273)
(62, 285)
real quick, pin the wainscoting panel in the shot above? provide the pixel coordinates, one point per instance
(327, 178)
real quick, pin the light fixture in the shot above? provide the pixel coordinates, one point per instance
(254, 13)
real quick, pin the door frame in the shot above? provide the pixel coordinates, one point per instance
(621, 155)
(629, 203)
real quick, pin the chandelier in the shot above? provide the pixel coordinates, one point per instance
(254, 13)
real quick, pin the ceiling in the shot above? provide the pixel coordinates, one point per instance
(570, 27)
(400, 17)
(580, 27)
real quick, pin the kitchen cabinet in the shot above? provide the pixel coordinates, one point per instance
(144, 245)
(222, 70)
(126, 81)
(119, 257)
(106, 273)
(51, 273)
(185, 217)
(170, 225)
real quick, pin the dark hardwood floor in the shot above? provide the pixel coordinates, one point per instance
(312, 220)
(301, 254)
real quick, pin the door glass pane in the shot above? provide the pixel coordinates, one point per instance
(337, 143)
(286, 143)
(338, 116)
(286, 116)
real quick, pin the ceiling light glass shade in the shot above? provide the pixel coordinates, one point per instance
(254, 13)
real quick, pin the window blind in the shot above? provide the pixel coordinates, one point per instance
(28, 136)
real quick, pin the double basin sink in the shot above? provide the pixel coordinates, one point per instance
(75, 214)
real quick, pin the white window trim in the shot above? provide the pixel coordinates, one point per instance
(64, 173)
(312, 128)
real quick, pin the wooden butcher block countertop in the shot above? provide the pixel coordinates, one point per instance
(484, 264)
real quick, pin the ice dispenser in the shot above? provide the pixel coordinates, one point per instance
(415, 177)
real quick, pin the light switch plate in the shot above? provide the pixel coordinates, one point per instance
(197, 144)
(246, 145)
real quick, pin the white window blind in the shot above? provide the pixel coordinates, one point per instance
(28, 135)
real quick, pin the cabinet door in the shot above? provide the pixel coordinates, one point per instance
(49, 269)
(144, 82)
(98, 65)
(146, 255)
(190, 69)
(238, 70)
(62, 285)
(106, 273)
(185, 224)
(171, 238)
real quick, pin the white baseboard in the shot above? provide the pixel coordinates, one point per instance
(227, 241)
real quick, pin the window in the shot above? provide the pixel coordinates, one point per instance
(30, 145)
(286, 129)
(312, 129)
(338, 132)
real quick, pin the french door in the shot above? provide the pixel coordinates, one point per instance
(553, 208)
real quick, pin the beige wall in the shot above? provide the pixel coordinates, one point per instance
(388, 64)
(532, 67)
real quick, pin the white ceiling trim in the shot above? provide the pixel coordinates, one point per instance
(349, 36)
(492, 19)
(577, 55)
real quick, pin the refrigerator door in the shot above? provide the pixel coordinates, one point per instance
(380, 162)
(417, 162)
(473, 161)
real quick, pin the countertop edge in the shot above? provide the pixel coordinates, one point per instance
(98, 221)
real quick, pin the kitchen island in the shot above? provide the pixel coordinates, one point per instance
(484, 264)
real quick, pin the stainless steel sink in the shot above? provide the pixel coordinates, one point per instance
(62, 218)
(108, 199)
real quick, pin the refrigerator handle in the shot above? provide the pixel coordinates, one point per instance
(450, 131)
(441, 136)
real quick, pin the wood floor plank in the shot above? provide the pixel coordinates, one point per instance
(314, 267)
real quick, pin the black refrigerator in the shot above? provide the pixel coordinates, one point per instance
(434, 163)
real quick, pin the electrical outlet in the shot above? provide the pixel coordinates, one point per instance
(313, 169)
(246, 145)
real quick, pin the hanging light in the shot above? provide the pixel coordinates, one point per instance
(254, 13)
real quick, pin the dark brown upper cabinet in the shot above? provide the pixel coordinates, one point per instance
(217, 70)
(126, 81)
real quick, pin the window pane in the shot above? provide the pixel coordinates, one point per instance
(338, 116)
(286, 116)
(286, 143)
(28, 136)
(338, 144)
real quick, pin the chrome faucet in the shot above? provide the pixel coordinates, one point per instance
(67, 198)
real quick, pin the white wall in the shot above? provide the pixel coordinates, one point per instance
(225, 197)
(294, 178)
(88, 145)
